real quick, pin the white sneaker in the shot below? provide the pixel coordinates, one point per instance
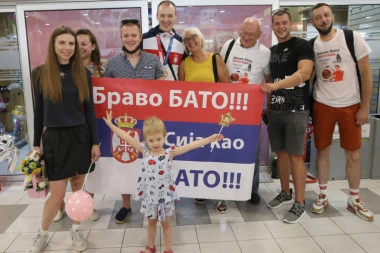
(39, 243)
(59, 215)
(95, 216)
(320, 204)
(80, 244)
(357, 207)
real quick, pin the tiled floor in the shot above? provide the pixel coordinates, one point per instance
(199, 228)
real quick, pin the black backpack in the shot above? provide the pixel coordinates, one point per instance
(349, 36)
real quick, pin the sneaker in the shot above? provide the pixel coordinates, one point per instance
(59, 215)
(295, 213)
(320, 204)
(357, 207)
(281, 199)
(121, 216)
(255, 198)
(221, 206)
(39, 243)
(80, 244)
(200, 201)
(95, 216)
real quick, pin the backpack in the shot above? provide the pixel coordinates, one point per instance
(349, 36)
(229, 50)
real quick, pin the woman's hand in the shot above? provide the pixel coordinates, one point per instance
(95, 153)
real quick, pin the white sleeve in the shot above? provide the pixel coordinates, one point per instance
(361, 47)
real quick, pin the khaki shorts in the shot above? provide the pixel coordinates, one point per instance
(324, 121)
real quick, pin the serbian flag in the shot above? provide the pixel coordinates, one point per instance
(190, 110)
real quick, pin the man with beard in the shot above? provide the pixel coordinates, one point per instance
(339, 101)
(163, 41)
(291, 65)
(136, 64)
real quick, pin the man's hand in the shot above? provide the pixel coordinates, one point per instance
(269, 87)
(362, 116)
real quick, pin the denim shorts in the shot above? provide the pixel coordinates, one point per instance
(287, 130)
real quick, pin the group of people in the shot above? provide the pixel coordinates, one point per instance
(65, 121)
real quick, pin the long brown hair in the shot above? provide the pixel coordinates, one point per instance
(95, 54)
(50, 74)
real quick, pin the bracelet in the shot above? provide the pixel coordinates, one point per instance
(299, 76)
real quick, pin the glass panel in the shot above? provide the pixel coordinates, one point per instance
(12, 108)
(364, 19)
(220, 23)
(104, 23)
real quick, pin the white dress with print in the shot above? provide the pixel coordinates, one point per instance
(155, 186)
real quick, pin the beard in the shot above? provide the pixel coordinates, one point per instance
(325, 32)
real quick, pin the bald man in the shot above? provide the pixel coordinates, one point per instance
(252, 70)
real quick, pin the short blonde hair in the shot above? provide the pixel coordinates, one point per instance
(153, 125)
(191, 31)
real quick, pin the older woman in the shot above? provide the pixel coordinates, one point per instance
(199, 67)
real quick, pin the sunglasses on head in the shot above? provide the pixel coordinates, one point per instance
(280, 11)
(130, 21)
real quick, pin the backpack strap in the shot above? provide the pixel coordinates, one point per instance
(349, 36)
(215, 67)
(229, 50)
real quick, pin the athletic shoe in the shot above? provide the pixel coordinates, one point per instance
(281, 199)
(39, 243)
(255, 198)
(121, 216)
(80, 244)
(221, 206)
(200, 201)
(95, 216)
(320, 204)
(59, 215)
(295, 213)
(357, 207)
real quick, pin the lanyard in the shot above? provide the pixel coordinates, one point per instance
(161, 50)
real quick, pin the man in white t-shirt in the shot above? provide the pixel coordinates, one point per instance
(339, 99)
(248, 63)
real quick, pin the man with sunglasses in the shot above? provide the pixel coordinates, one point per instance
(163, 41)
(339, 99)
(136, 64)
(255, 67)
(291, 65)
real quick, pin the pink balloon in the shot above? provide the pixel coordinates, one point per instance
(79, 206)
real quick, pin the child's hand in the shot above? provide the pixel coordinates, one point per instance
(216, 137)
(108, 118)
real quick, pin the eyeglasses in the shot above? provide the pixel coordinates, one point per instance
(191, 37)
(130, 21)
(280, 11)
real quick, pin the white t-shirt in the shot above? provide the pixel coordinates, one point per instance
(337, 83)
(247, 65)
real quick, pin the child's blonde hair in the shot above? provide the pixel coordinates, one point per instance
(153, 125)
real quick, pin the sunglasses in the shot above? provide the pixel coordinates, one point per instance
(280, 11)
(130, 21)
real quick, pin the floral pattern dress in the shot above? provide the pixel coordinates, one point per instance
(155, 186)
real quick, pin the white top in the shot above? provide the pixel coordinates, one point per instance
(247, 65)
(337, 83)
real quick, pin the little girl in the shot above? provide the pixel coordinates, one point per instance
(155, 185)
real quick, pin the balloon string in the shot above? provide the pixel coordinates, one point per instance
(88, 171)
(217, 138)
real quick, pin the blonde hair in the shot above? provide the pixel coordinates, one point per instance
(153, 125)
(191, 31)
